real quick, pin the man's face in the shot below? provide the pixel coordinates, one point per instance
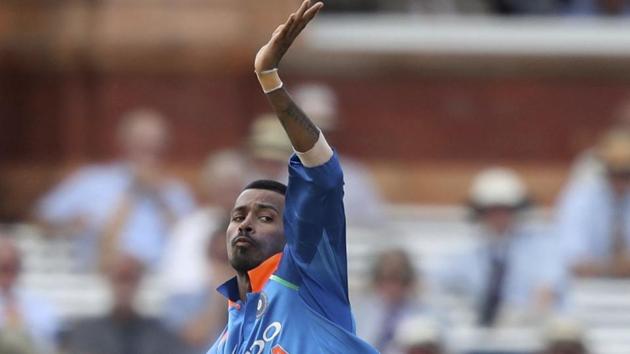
(145, 140)
(255, 232)
(498, 219)
(394, 279)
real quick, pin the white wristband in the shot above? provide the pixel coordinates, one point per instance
(318, 155)
(269, 80)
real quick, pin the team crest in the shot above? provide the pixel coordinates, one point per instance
(278, 350)
(262, 305)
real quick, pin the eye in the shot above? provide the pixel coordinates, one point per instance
(265, 218)
(237, 218)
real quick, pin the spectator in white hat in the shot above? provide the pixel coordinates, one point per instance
(512, 272)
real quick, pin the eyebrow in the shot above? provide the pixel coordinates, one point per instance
(267, 206)
(257, 206)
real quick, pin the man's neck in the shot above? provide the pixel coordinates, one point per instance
(244, 286)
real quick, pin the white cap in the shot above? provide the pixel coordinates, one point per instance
(268, 140)
(497, 187)
(417, 330)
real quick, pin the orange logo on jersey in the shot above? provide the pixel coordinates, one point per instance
(278, 350)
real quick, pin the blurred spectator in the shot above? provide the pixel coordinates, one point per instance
(593, 214)
(564, 336)
(419, 335)
(393, 298)
(28, 324)
(184, 268)
(126, 205)
(588, 164)
(599, 7)
(123, 330)
(498, 274)
(362, 197)
(268, 149)
(200, 317)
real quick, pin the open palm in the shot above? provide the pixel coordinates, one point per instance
(269, 56)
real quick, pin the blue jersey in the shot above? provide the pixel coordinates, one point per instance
(299, 301)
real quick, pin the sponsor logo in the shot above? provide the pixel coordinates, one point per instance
(270, 333)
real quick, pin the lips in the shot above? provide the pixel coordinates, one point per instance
(242, 241)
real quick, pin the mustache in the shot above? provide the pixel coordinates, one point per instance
(243, 237)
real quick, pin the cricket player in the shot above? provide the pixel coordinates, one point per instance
(288, 244)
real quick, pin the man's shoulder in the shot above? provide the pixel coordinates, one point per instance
(585, 190)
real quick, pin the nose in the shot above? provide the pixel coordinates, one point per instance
(245, 227)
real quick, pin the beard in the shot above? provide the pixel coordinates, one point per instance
(245, 259)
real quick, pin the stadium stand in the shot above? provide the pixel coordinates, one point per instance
(428, 233)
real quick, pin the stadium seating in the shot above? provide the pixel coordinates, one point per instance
(429, 233)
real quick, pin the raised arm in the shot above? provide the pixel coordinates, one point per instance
(314, 220)
(301, 131)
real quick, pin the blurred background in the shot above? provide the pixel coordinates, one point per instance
(485, 143)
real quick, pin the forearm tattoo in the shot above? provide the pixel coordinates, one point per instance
(291, 112)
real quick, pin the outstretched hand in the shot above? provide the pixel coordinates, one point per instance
(269, 56)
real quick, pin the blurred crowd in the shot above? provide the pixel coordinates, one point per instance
(486, 7)
(130, 217)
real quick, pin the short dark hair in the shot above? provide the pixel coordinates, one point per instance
(268, 185)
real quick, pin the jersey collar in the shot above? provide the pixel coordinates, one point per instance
(258, 277)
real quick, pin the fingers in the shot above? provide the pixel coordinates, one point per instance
(305, 18)
(296, 22)
(302, 9)
(294, 19)
(312, 11)
(278, 30)
(283, 29)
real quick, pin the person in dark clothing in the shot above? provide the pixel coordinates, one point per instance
(123, 330)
